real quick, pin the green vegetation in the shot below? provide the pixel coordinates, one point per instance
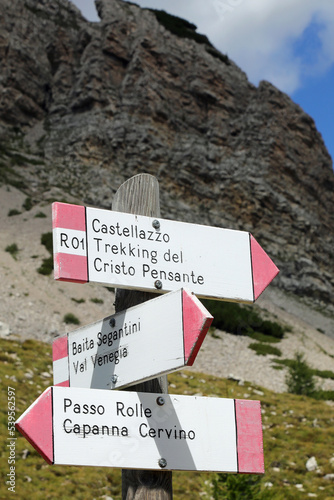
(184, 29)
(180, 27)
(46, 240)
(28, 204)
(71, 319)
(323, 373)
(242, 320)
(40, 215)
(294, 429)
(300, 379)
(323, 395)
(263, 349)
(96, 300)
(261, 337)
(245, 320)
(12, 212)
(78, 301)
(13, 162)
(319, 373)
(13, 249)
(46, 267)
(16, 159)
(218, 55)
(9, 176)
(235, 487)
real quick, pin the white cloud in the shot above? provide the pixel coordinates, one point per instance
(327, 35)
(261, 35)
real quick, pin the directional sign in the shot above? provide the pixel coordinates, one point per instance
(142, 342)
(132, 251)
(74, 426)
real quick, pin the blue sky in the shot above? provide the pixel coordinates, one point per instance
(290, 43)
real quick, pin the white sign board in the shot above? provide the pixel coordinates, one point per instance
(73, 426)
(142, 342)
(143, 253)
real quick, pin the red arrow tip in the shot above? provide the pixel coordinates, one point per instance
(264, 270)
(196, 322)
(36, 425)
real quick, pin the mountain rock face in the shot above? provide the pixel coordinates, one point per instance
(84, 106)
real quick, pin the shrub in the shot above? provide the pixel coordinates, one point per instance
(96, 301)
(241, 320)
(263, 349)
(218, 55)
(231, 317)
(323, 373)
(46, 240)
(47, 266)
(78, 301)
(238, 486)
(70, 318)
(12, 249)
(178, 26)
(28, 204)
(261, 337)
(323, 395)
(272, 328)
(299, 379)
(13, 212)
(184, 29)
(40, 215)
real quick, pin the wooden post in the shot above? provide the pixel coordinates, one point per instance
(140, 195)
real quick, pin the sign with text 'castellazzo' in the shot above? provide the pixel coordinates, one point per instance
(158, 255)
(72, 426)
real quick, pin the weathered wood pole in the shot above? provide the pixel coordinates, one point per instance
(140, 195)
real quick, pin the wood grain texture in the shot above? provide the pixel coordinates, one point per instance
(140, 195)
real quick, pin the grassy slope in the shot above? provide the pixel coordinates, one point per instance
(295, 428)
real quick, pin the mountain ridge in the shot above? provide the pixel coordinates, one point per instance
(84, 106)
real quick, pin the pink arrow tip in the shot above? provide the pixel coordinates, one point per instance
(264, 270)
(36, 425)
(196, 322)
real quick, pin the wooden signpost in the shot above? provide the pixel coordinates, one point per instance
(147, 432)
(158, 255)
(124, 349)
(73, 426)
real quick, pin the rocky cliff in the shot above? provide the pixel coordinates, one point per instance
(84, 106)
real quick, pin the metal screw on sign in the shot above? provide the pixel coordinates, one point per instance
(160, 401)
(158, 284)
(114, 379)
(112, 322)
(156, 224)
(163, 463)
